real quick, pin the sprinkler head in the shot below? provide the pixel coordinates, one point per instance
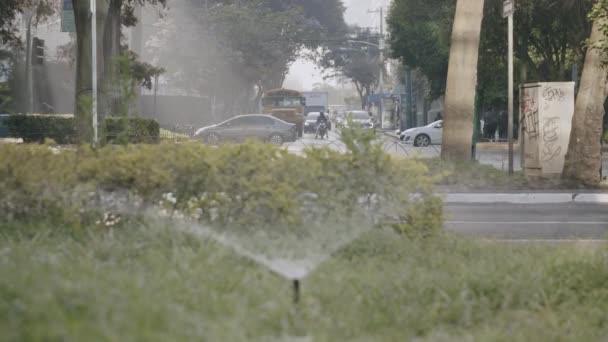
(296, 291)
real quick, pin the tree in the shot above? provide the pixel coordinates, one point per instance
(356, 57)
(584, 157)
(462, 81)
(111, 16)
(11, 8)
(236, 50)
(419, 35)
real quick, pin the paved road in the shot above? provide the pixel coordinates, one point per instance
(529, 222)
(498, 159)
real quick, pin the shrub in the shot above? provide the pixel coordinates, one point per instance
(132, 130)
(250, 185)
(35, 128)
(62, 129)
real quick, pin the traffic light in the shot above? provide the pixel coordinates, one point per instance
(37, 51)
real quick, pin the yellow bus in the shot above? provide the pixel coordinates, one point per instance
(287, 105)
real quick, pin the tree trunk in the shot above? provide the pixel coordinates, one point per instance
(84, 83)
(584, 157)
(362, 97)
(462, 81)
(110, 93)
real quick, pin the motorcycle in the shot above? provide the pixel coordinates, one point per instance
(321, 130)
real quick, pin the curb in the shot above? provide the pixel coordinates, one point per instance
(526, 198)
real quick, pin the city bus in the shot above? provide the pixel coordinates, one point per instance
(287, 105)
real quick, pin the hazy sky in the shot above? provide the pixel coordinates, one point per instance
(304, 73)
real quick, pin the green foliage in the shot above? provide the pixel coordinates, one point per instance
(249, 185)
(149, 283)
(353, 59)
(122, 130)
(9, 12)
(420, 35)
(600, 15)
(168, 135)
(549, 41)
(62, 129)
(35, 128)
(242, 46)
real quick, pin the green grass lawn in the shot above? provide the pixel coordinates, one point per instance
(155, 284)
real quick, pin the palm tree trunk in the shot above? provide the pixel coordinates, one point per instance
(462, 81)
(584, 157)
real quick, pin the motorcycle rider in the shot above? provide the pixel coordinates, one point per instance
(322, 119)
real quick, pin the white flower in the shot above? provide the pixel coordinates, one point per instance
(169, 197)
(111, 219)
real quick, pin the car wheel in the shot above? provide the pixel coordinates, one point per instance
(422, 140)
(213, 139)
(276, 139)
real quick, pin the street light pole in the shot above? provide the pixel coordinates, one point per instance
(155, 93)
(508, 12)
(29, 15)
(94, 69)
(381, 75)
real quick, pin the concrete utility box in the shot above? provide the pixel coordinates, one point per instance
(547, 110)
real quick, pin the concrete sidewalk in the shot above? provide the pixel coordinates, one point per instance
(527, 198)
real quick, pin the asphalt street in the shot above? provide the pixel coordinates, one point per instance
(521, 222)
(497, 159)
(568, 221)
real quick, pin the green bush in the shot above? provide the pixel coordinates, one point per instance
(247, 185)
(35, 128)
(62, 129)
(132, 130)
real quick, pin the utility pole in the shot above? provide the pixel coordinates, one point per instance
(410, 99)
(381, 75)
(508, 9)
(155, 94)
(94, 68)
(29, 87)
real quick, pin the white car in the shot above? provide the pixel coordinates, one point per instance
(423, 136)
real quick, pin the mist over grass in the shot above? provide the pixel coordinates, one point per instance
(153, 283)
(93, 247)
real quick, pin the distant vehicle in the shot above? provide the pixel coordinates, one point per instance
(338, 108)
(287, 105)
(310, 123)
(424, 136)
(321, 130)
(359, 118)
(4, 133)
(316, 101)
(250, 126)
(339, 118)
